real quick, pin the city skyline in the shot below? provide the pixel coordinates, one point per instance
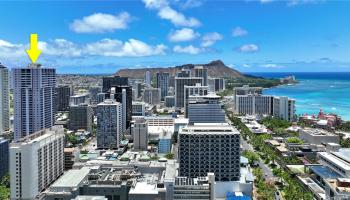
(102, 37)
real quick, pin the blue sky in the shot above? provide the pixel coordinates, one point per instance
(252, 35)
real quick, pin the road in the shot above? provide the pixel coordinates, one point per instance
(266, 170)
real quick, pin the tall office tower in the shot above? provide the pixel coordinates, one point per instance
(123, 95)
(62, 96)
(36, 161)
(148, 78)
(219, 84)
(113, 87)
(196, 90)
(94, 91)
(172, 81)
(180, 83)
(207, 148)
(253, 104)
(138, 108)
(163, 83)
(200, 71)
(152, 96)
(109, 124)
(112, 81)
(81, 117)
(184, 73)
(4, 157)
(140, 134)
(284, 108)
(33, 94)
(205, 109)
(4, 99)
(79, 99)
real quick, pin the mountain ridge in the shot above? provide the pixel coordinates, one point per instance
(216, 69)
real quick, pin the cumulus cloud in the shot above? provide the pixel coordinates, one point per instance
(276, 66)
(190, 49)
(168, 13)
(101, 23)
(239, 32)
(117, 48)
(62, 48)
(293, 2)
(248, 48)
(210, 38)
(190, 4)
(183, 35)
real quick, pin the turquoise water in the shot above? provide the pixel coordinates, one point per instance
(315, 91)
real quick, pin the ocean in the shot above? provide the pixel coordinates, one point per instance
(329, 91)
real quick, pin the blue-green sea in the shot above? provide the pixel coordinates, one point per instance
(329, 91)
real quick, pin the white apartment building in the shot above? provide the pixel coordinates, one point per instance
(36, 161)
(4, 100)
(33, 94)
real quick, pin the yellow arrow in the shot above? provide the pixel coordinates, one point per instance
(33, 52)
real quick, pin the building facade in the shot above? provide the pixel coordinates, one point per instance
(201, 72)
(180, 83)
(36, 161)
(205, 109)
(81, 117)
(63, 94)
(4, 157)
(210, 147)
(33, 94)
(140, 134)
(109, 124)
(163, 83)
(4, 99)
(152, 96)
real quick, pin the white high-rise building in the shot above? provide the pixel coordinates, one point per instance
(33, 94)
(284, 108)
(4, 99)
(148, 78)
(36, 161)
(109, 124)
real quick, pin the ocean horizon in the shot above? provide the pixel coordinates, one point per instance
(329, 91)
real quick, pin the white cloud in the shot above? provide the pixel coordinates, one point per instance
(11, 51)
(117, 48)
(210, 38)
(248, 48)
(276, 66)
(246, 66)
(293, 2)
(183, 35)
(239, 32)
(190, 49)
(101, 23)
(60, 47)
(190, 4)
(168, 13)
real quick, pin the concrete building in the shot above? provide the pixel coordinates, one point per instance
(62, 97)
(211, 147)
(101, 97)
(163, 83)
(338, 161)
(36, 161)
(253, 105)
(202, 72)
(318, 136)
(284, 108)
(123, 95)
(113, 81)
(205, 109)
(79, 99)
(4, 157)
(183, 73)
(140, 134)
(152, 96)
(164, 145)
(219, 84)
(69, 158)
(138, 108)
(4, 100)
(195, 188)
(180, 83)
(148, 78)
(80, 117)
(109, 124)
(33, 95)
(196, 90)
(169, 101)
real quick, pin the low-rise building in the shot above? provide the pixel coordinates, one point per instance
(318, 136)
